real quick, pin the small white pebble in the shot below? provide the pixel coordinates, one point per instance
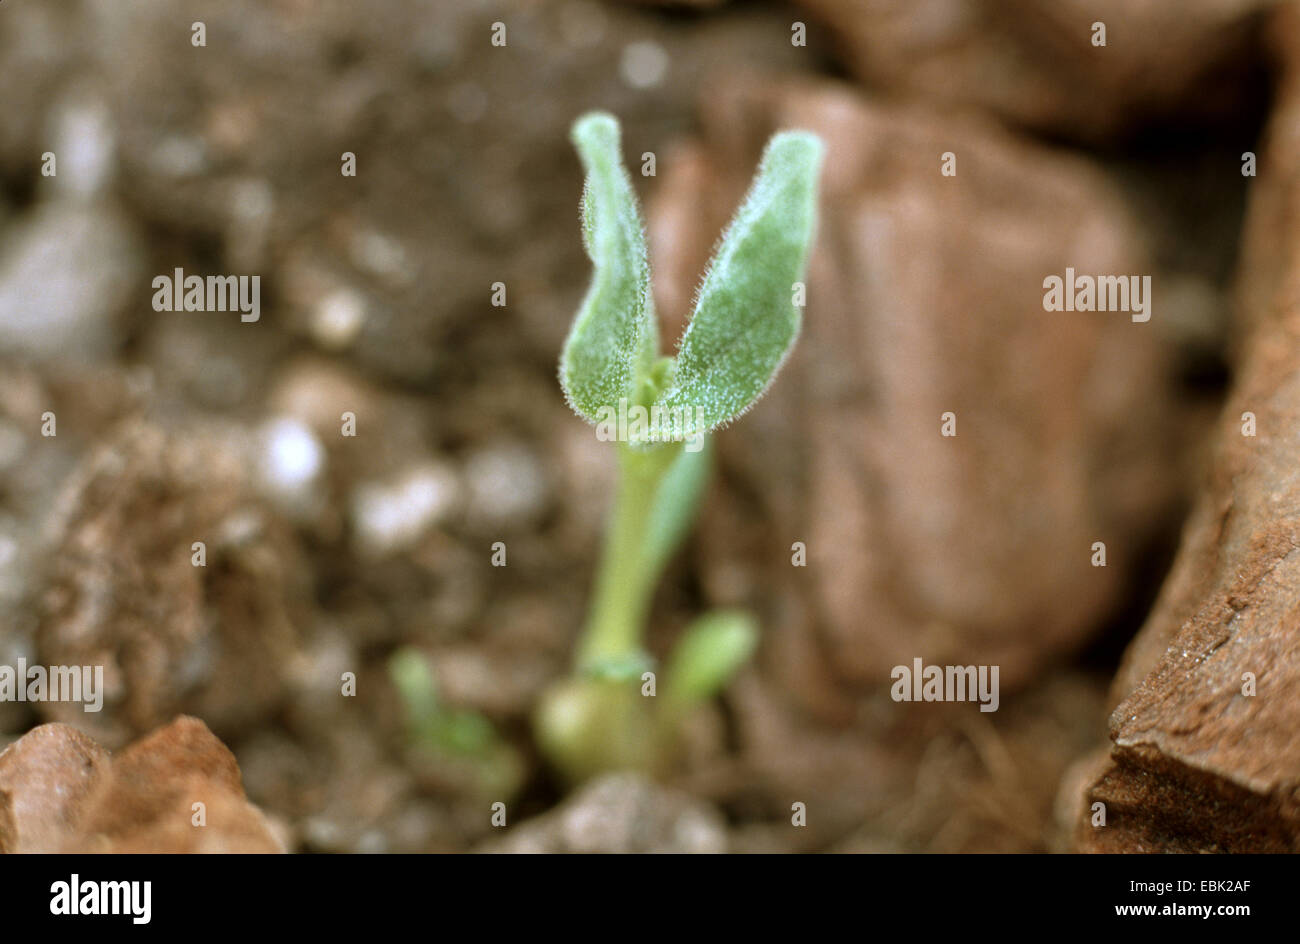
(390, 516)
(293, 454)
(323, 832)
(291, 466)
(506, 484)
(337, 319)
(380, 255)
(240, 528)
(643, 64)
(83, 140)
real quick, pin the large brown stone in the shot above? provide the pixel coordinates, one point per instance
(123, 591)
(61, 792)
(47, 778)
(1205, 754)
(1033, 62)
(926, 296)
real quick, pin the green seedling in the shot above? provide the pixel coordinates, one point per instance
(614, 712)
(448, 735)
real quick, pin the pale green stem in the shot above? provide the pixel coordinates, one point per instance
(615, 627)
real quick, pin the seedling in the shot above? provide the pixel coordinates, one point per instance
(453, 736)
(616, 712)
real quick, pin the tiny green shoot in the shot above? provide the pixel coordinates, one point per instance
(448, 735)
(659, 410)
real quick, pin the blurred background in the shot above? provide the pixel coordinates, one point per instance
(328, 555)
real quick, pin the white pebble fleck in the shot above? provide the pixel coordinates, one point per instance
(337, 319)
(390, 516)
(292, 462)
(643, 64)
(506, 484)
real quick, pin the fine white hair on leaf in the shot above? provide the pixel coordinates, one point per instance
(744, 320)
(614, 338)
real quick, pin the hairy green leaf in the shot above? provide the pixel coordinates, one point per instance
(745, 319)
(614, 339)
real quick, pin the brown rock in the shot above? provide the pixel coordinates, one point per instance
(47, 779)
(61, 792)
(1205, 754)
(926, 296)
(124, 594)
(1033, 62)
